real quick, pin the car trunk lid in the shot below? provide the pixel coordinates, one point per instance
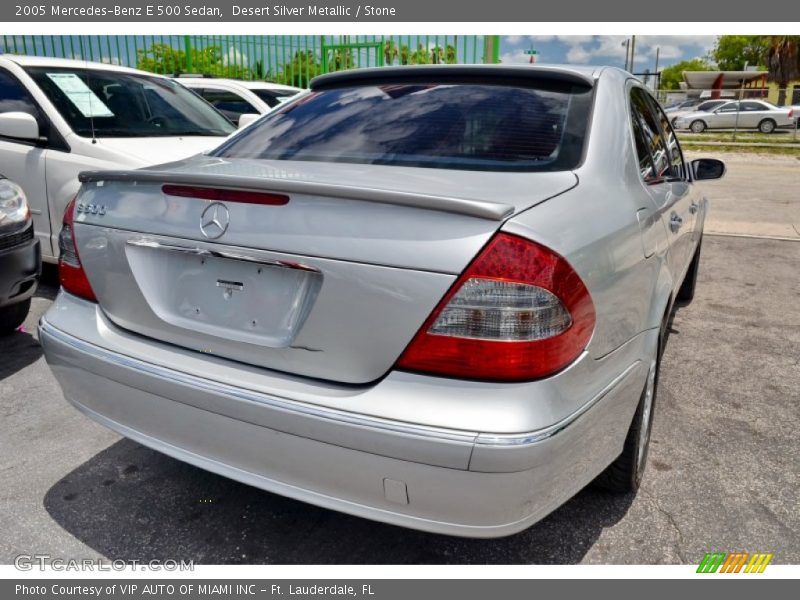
(331, 284)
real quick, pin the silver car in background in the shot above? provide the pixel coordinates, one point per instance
(747, 114)
(706, 106)
(429, 296)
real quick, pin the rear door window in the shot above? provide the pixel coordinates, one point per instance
(641, 112)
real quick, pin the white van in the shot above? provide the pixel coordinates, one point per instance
(60, 117)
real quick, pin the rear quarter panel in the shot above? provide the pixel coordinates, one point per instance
(595, 227)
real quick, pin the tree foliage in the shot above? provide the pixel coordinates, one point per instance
(673, 75)
(734, 52)
(783, 61)
(211, 60)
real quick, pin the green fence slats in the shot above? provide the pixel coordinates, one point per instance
(293, 60)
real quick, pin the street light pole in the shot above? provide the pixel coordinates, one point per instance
(633, 50)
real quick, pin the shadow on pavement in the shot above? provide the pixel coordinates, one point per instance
(132, 503)
(21, 348)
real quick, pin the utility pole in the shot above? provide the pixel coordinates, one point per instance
(633, 50)
(658, 77)
(627, 44)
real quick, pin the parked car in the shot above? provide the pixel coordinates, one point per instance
(236, 99)
(706, 106)
(20, 262)
(747, 114)
(685, 105)
(431, 296)
(59, 117)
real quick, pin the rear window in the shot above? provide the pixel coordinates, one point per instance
(454, 126)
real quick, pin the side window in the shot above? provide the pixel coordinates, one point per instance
(752, 106)
(642, 152)
(641, 110)
(677, 167)
(15, 98)
(729, 108)
(228, 103)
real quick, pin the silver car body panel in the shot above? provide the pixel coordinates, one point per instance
(330, 427)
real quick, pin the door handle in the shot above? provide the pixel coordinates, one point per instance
(693, 207)
(675, 222)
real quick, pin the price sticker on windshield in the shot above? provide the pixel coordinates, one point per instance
(84, 99)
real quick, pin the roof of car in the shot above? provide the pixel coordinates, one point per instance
(42, 61)
(577, 74)
(252, 85)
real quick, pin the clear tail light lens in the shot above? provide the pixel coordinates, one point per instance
(519, 312)
(70, 270)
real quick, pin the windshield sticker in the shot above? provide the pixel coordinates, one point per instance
(84, 99)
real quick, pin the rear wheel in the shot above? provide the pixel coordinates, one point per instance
(766, 126)
(624, 475)
(697, 126)
(13, 316)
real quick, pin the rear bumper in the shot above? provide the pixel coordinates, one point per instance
(20, 267)
(451, 481)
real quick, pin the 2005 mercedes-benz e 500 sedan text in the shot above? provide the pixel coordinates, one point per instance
(433, 297)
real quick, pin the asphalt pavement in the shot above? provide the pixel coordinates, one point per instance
(722, 476)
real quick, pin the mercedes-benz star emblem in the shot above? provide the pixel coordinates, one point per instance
(214, 221)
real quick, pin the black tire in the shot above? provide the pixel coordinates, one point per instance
(767, 126)
(674, 122)
(686, 291)
(624, 475)
(697, 126)
(13, 316)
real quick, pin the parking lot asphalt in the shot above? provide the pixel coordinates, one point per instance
(722, 472)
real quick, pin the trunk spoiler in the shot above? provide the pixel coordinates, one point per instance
(492, 211)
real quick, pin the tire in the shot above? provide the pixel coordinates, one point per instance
(674, 122)
(13, 316)
(686, 292)
(698, 126)
(767, 126)
(624, 475)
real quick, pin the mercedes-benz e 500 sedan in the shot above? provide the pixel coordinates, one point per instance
(433, 297)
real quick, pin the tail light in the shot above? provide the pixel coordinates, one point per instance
(519, 312)
(70, 270)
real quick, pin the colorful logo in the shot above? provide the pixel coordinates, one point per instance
(734, 562)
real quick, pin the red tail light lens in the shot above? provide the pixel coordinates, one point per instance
(70, 270)
(519, 312)
(226, 195)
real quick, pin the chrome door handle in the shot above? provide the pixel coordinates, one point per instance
(675, 222)
(693, 207)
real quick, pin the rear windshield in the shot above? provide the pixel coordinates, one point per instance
(453, 126)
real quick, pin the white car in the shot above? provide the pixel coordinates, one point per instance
(59, 117)
(236, 99)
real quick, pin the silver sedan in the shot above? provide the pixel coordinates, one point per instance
(431, 296)
(747, 114)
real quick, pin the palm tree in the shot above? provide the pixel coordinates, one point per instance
(783, 62)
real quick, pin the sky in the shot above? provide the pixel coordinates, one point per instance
(606, 49)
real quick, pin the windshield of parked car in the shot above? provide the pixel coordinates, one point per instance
(273, 97)
(455, 126)
(98, 103)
